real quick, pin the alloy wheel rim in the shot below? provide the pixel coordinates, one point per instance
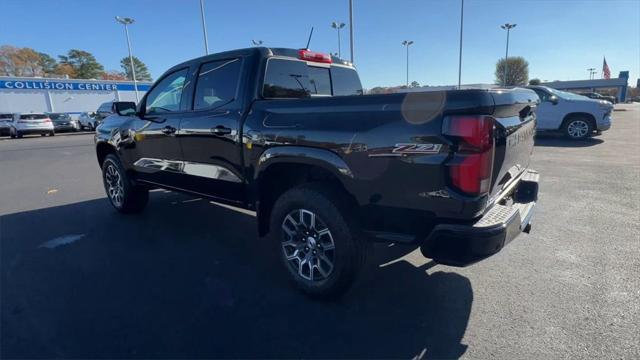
(578, 129)
(307, 245)
(115, 189)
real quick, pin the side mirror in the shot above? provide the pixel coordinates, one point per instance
(124, 108)
(553, 100)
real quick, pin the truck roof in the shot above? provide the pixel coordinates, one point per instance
(261, 51)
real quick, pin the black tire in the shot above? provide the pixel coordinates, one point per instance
(43, 134)
(53, 133)
(577, 128)
(350, 249)
(132, 197)
(18, 134)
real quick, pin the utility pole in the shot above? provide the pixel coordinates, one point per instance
(351, 28)
(406, 44)
(338, 25)
(507, 27)
(204, 28)
(128, 21)
(460, 52)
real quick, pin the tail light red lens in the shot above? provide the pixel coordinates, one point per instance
(314, 56)
(471, 167)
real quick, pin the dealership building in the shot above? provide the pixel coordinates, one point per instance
(72, 96)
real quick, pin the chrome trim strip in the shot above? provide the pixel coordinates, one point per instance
(210, 171)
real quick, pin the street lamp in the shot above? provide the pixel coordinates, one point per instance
(406, 44)
(507, 27)
(204, 28)
(128, 21)
(591, 72)
(338, 26)
(256, 42)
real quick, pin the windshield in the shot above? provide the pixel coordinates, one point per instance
(33, 116)
(567, 95)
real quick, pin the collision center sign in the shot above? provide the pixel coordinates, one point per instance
(67, 85)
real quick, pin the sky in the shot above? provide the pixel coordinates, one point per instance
(559, 38)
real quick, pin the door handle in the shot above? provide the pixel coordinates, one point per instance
(168, 130)
(221, 130)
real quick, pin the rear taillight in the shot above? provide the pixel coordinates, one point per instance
(471, 166)
(314, 56)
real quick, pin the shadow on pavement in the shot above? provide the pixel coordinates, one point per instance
(190, 279)
(555, 140)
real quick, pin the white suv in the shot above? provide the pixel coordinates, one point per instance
(32, 123)
(577, 116)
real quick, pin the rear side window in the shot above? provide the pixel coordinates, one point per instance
(32, 116)
(217, 84)
(6, 116)
(345, 81)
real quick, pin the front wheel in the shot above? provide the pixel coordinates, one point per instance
(578, 128)
(123, 194)
(319, 243)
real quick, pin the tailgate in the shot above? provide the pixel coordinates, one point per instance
(514, 138)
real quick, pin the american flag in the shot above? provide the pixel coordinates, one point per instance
(606, 73)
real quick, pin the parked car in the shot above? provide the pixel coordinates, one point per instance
(594, 95)
(87, 120)
(104, 110)
(5, 123)
(62, 122)
(31, 123)
(288, 134)
(576, 116)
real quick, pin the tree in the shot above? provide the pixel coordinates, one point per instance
(414, 84)
(83, 63)
(113, 75)
(19, 61)
(517, 71)
(534, 81)
(65, 70)
(142, 72)
(47, 64)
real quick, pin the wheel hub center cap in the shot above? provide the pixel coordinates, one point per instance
(311, 241)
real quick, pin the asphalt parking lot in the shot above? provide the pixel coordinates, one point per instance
(188, 278)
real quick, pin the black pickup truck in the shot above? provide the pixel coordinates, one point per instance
(289, 134)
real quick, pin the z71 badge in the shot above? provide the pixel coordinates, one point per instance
(417, 148)
(410, 149)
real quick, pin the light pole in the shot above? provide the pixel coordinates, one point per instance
(406, 44)
(460, 53)
(256, 42)
(338, 25)
(204, 28)
(507, 27)
(128, 21)
(591, 72)
(351, 28)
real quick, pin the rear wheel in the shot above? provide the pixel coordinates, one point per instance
(319, 244)
(123, 194)
(19, 134)
(52, 133)
(578, 128)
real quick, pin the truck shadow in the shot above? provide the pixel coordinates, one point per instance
(188, 279)
(556, 140)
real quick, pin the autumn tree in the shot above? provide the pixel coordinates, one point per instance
(113, 75)
(84, 64)
(19, 61)
(142, 72)
(517, 71)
